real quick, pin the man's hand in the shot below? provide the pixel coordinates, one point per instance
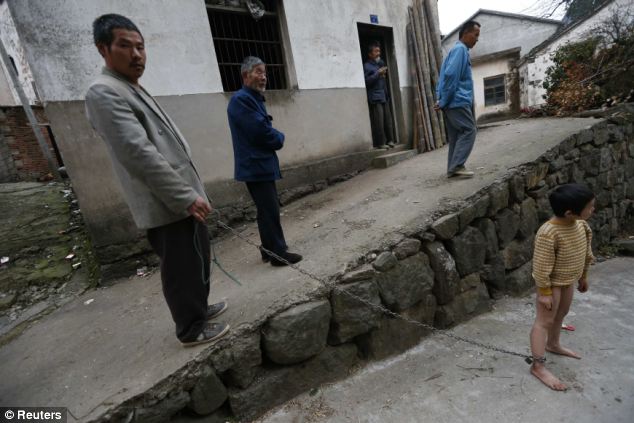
(437, 106)
(583, 285)
(546, 301)
(383, 71)
(199, 209)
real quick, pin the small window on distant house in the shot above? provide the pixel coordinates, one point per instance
(237, 34)
(494, 91)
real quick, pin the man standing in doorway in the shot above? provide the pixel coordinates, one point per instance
(454, 95)
(255, 142)
(375, 73)
(160, 184)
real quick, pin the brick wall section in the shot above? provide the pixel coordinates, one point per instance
(24, 158)
(8, 172)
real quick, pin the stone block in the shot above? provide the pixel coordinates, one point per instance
(446, 276)
(606, 160)
(625, 246)
(517, 253)
(463, 307)
(297, 334)
(487, 227)
(519, 280)
(365, 272)
(351, 317)
(242, 352)
(528, 218)
(468, 250)
(407, 247)
(544, 211)
(276, 386)
(406, 284)
(540, 191)
(557, 164)
(506, 225)
(517, 186)
(481, 206)
(591, 162)
(536, 174)
(573, 155)
(493, 274)
(499, 197)
(600, 135)
(576, 174)
(469, 282)
(385, 261)
(395, 335)
(585, 136)
(466, 216)
(162, 410)
(447, 226)
(208, 394)
(568, 144)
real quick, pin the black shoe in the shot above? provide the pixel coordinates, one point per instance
(210, 333)
(216, 310)
(292, 258)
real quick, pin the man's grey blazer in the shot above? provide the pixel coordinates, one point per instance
(150, 156)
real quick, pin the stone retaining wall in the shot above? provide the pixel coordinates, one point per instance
(442, 275)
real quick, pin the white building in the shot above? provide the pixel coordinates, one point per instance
(316, 85)
(533, 66)
(504, 38)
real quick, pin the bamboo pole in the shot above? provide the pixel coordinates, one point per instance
(432, 54)
(421, 78)
(419, 123)
(425, 69)
(431, 10)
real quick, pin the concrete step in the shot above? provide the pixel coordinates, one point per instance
(392, 158)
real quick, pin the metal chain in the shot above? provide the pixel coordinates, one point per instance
(378, 307)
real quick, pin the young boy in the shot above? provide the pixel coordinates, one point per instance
(562, 255)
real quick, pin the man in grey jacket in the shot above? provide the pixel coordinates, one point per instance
(160, 183)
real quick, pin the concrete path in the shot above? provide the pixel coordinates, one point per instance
(112, 344)
(441, 380)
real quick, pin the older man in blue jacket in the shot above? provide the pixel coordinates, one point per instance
(455, 97)
(255, 142)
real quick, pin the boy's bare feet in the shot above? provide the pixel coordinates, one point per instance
(562, 351)
(548, 378)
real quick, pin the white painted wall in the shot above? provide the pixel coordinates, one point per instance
(500, 33)
(533, 72)
(64, 59)
(325, 40)
(487, 70)
(11, 42)
(181, 57)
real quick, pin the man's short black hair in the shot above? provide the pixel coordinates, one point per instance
(372, 46)
(573, 197)
(466, 27)
(103, 26)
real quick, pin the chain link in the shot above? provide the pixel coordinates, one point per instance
(333, 285)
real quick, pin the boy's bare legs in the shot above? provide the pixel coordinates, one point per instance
(544, 321)
(553, 345)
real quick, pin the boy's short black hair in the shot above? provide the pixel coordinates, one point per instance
(466, 27)
(103, 26)
(573, 197)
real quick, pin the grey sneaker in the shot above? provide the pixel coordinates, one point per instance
(463, 173)
(216, 310)
(210, 333)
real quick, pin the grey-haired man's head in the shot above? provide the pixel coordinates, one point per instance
(253, 71)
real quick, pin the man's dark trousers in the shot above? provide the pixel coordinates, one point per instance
(264, 196)
(184, 250)
(381, 123)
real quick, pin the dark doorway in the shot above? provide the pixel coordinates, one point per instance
(367, 34)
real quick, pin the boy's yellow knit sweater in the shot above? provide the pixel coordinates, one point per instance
(562, 254)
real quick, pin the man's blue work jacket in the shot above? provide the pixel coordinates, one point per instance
(375, 83)
(455, 83)
(254, 138)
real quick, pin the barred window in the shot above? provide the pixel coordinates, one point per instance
(494, 91)
(237, 34)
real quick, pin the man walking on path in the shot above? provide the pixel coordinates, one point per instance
(455, 97)
(255, 142)
(160, 184)
(375, 72)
